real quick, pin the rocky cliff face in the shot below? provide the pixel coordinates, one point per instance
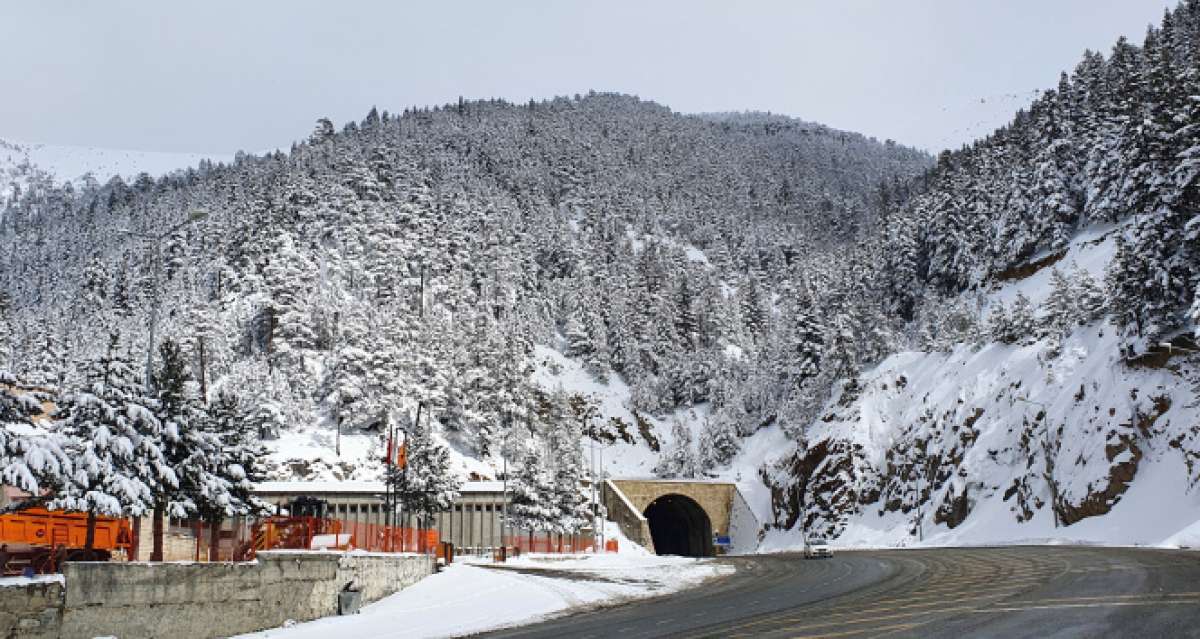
(998, 442)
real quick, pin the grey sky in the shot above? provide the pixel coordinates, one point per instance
(218, 76)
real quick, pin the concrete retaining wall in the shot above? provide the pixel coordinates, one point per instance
(31, 610)
(131, 600)
(631, 521)
(744, 529)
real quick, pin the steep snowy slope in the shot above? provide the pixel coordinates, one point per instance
(995, 443)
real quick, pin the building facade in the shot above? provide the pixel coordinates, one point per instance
(472, 524)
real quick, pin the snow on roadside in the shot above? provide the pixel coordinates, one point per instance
(469, 597)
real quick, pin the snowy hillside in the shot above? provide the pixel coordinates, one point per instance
(997, 443)
(875, 345)
(21, 164)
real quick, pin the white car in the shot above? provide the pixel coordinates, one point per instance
(817, 548)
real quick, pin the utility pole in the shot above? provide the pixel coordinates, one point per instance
(601, 478)
(504, 497)
(595, 499)
(155, 257)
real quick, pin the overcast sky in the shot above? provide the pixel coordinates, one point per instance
(217, 76)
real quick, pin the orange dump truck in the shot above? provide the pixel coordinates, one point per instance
(40, 539)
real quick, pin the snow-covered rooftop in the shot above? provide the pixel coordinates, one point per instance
(316, 487)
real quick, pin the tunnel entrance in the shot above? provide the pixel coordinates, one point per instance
(679, 526)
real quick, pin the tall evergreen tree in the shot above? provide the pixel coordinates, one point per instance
(119, 465)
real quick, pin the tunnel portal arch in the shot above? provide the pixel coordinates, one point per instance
(679, 526)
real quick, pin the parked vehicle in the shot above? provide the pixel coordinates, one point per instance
(42, 539)
(817, 549)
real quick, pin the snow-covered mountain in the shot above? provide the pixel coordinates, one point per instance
(23, 165)
(881, 348)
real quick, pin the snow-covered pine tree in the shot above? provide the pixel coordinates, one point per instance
(234, 468)
(570, 499)
(753, 306)
(32, 458)
(1022, 319)
(114, 442)
(8, 336)
(189, 447)
(49, 365)
(1059, 313)
(804, 342)
(426, 484)
(579, 341)
(719, 443)
(999, 324)
(678, 461)
(1122, 280)
(530, 506)
(1091, 305)
(841, 359)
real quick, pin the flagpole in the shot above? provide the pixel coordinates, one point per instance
(387, 486)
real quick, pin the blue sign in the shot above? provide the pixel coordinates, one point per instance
(723, 540)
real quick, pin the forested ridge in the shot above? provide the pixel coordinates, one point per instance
(749, 262)
(418, 257)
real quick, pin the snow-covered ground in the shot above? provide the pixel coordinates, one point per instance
(976, 409)
(1086, 390)
(469, 597)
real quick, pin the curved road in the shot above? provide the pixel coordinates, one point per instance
(1018, 591)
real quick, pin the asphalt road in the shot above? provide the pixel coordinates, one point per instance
(1025, 591)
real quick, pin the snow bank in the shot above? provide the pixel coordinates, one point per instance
(469, 598)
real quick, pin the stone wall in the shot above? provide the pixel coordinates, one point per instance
(728, 512)
(131, 600)
(716, 498)
(31, 609)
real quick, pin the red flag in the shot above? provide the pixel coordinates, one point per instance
(402, 455)
(388, 458)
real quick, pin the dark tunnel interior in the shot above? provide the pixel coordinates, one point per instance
(679, 526)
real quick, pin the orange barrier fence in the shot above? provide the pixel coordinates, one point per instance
(239, 539)
(280, 532)
(549, 543)
(377, 538)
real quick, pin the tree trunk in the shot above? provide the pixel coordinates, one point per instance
(136, 546)
(90, 539)
(214, 540)
(156, 528)
(203, 371)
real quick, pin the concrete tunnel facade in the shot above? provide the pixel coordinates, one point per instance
(679, 517)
